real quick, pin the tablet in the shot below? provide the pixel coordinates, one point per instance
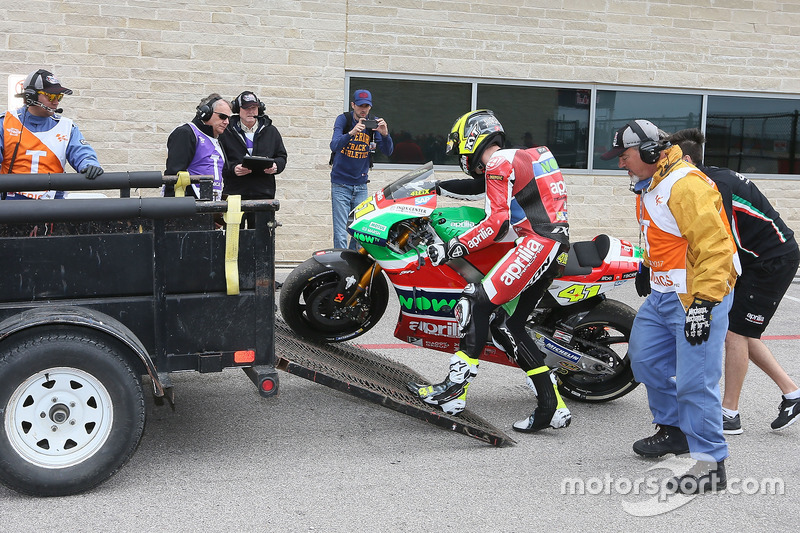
(257, 162)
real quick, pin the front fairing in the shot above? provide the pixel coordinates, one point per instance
(411, 196)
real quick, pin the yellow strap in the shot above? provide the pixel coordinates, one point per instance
(183, 181)
(232, 220)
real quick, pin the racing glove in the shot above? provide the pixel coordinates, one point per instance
(92, 171)
(698, 321)
(643, 280)
(442, 252)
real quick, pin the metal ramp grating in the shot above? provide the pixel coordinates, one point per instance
(374, 378)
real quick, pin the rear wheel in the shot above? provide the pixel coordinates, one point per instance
(312, 305)
(606, 338)
(73, 413)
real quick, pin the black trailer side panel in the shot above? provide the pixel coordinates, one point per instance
(181, 312)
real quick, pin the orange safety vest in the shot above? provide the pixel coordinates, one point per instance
(39, 152)
(667, 249)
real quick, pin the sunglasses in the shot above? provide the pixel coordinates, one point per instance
(222, 116)
(52, 97)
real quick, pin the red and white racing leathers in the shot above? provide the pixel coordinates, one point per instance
(525, 191)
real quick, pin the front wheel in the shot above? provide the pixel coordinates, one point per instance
(313, 307)
(605, 337)
(73, 413)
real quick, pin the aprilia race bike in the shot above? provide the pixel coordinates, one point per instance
(337, 295)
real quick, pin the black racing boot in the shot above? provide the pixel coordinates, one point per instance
(668, 439)
(551, 411)
(560, 419)
(703, 476)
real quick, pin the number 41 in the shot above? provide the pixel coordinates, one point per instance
(578, 292)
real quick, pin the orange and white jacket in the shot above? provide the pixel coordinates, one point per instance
(43, 146)
(688, 242)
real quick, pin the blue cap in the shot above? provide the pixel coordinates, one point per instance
(362, 96)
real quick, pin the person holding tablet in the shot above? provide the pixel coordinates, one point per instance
(255, 151)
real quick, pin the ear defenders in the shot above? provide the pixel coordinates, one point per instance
(649, 150)
(204, 111)
(29, 96)
(236, 105)
(34, 83)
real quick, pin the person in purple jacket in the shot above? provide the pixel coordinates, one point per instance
(351, 144)
(195, 147)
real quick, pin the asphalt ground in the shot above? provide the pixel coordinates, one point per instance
(314, 459)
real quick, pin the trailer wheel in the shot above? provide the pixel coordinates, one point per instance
(73, 413)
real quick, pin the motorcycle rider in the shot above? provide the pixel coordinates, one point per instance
(524, 193)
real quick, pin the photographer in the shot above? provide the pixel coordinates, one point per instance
(355, 135)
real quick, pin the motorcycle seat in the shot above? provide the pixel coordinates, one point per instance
(586, 255)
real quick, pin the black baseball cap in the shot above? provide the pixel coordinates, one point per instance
(625, 137)
(44, 80)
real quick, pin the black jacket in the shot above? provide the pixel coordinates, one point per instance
(181, 145)
(267, 142)
(758, 229)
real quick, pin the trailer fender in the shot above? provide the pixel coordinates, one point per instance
(83, 317)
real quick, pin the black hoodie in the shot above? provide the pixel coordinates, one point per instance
(267, 142)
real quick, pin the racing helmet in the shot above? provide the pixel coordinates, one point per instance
(471, 134)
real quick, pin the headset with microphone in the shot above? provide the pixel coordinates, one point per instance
(204, 111)
(34, 83)
(39, 104)
(236, 105)
(649, 150)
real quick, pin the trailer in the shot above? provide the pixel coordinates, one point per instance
(102, 298)
(99, 293)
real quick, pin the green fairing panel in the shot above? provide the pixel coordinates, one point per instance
(450, 222)
(380, 225)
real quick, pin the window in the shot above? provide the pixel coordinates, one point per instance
(669, 111)
(752, 134)
(532, 116)
(419, 115)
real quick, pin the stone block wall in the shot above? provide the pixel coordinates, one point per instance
(140, 67)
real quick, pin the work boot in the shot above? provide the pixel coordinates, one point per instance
(451, 394)
(544, 415)
(668, 439)
(703, 476)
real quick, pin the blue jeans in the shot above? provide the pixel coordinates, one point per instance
(345, 198)
(682, 380)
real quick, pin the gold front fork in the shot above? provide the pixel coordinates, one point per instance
(373, 270)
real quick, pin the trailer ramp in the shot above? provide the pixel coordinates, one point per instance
(370, 376)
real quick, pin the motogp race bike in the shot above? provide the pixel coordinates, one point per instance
(337, 295)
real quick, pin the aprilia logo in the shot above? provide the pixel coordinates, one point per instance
(484, 233)
(755, 319)
(449, 329)
(525, 255)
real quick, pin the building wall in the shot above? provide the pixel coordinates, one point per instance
(139, 68)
